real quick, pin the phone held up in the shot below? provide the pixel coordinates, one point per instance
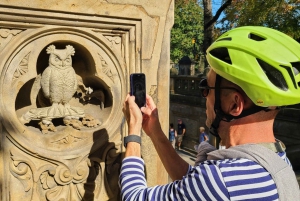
(138, 88)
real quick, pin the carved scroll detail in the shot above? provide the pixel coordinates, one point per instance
(76, 179)
(64, 182)
(6, 36)
(22, 168)
(22, 68)
(114, 40)
(106, 69)
(69, 140)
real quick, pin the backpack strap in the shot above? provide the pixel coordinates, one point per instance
(282, 174)
(276, 147)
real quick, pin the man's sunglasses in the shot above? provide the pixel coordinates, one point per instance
(204, 88)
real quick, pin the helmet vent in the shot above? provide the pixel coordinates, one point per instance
(255, 37)
(296, 67)
(228, 38)
(291, 74)
(222, 54)
(274, 75)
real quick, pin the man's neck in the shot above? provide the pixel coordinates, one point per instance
(246, 130)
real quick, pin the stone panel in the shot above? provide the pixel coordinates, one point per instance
(65, 69)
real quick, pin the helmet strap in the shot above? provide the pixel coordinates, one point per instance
(217, 107)
(221, 116)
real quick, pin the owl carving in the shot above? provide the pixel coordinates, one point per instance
(58, 81)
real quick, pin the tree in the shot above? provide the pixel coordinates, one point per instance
(187, 31)
(283, 15)
(209, 22)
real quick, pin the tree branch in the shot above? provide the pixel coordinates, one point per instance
(218, 13)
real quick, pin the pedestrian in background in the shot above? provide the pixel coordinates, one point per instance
(180, 133)
(172, 135)
(203, 136)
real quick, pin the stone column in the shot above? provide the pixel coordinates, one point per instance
(65, 69)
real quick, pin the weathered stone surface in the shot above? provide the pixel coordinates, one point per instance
(62, 130)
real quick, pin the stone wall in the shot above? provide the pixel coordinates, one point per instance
(191, 109)
(65, 69)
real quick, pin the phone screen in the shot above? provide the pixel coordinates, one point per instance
(138, 88)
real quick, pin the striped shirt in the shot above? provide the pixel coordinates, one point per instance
(228, 179)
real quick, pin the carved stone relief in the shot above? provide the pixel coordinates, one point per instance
(22, 68)
(70, 178)
(63, 131)
(59, 83)
(6, 36)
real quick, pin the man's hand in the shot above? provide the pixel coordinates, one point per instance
(133, 115)
(151, 123)
(183, 132)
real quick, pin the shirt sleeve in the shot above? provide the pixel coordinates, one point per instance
(203, 182)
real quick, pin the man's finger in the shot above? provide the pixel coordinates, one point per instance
(150, 102)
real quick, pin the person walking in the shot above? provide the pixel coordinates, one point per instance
(172, 135)
(254, 71)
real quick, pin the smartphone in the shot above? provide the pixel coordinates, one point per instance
(138, 88)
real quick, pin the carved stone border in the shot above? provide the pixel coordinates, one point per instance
(42, 23)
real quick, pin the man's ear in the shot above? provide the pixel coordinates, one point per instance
(236, 104)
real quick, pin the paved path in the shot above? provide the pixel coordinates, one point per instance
(188, 156)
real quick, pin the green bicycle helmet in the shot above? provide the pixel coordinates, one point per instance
(264, 62)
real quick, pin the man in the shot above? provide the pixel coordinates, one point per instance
(253, 71)
(180, 133)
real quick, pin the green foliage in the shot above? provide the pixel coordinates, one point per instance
(283, 15)
(188, 25)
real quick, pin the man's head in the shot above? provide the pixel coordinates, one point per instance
(171, 125)
(252, 69)
(179, 121)
(264, 62)
(233, 100)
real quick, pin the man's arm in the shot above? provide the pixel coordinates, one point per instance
(133, 117)
(173, 163)
(151, 125)
(195, 186)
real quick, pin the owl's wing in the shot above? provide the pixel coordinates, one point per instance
(75, 78)
(45, 82)
(35, 88)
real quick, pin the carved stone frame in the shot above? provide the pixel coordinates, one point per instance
(33, 160)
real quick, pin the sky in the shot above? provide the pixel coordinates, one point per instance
(216, 4)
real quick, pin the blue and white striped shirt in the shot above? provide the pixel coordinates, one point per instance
(228, 179)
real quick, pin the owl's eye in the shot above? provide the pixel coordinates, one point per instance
(56, 59)
(68, 60)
